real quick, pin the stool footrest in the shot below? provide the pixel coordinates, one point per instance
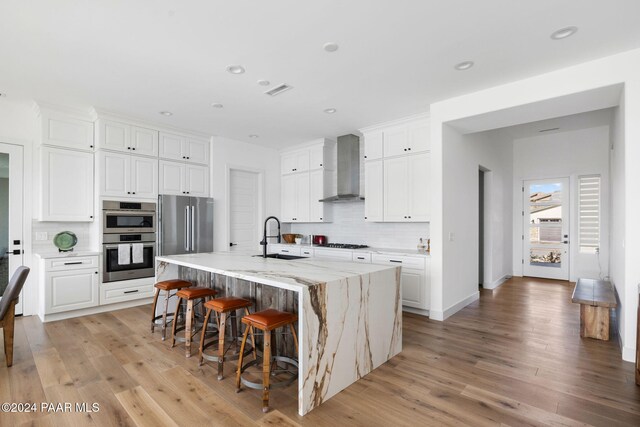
(293, 376)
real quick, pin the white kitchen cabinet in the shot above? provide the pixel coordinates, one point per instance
(332, 254)
(410, 138)
(129, 176)
(414, 278)
(295, 198)
(295, 161)
(182, 179)
(63, 131)
(316, 193)
(121, 137)
(316, 157)
(406, 188)
(373, 145)
(66, 185)
(72, 286)
(373, 190)
(177, 147)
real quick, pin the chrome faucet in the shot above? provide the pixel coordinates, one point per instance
(265, 237)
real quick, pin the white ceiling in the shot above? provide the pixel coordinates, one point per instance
(395, 58)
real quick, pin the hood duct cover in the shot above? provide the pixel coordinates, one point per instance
(348, 170)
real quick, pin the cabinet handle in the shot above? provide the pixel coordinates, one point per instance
(409, 217)
(73, 263)
(395, 260)
(360, 257)
(128, 148)
(91, 146)
(320, 164)
(320, 218)
(284, 250)
(96, 272)
(409, 149)
(128, 192)
(91, 216)
(365, 217)
(134, 148)
(405, 216)
(405, 149)
(133, 192)
(132, 292)
(188, 157)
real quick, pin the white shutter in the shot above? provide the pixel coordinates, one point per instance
(589, 211)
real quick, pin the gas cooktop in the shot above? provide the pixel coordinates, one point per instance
(343, 246)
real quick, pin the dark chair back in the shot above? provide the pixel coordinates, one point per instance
(13, 289)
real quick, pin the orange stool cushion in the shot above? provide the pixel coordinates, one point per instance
(227, 304)
(169, 285)
(269, 319)
(195, 292)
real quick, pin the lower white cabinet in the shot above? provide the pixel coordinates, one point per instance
(70, 283)
(126, 290)
(66, 184)
(415, 278)
(180, 178)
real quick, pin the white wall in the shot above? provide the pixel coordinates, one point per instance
(463, 155)
(618, 69)
(17, 121)
(227, 153)
(617, 271)
(565, 154)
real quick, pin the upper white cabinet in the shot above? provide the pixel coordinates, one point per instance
(128, 176)
(397, 171)
(373, 191)
(306, 178)
(295, 161)
(66, 131)
(182, 178)
(406, 189)
(126, 138)
(66, 185)
(177, 147)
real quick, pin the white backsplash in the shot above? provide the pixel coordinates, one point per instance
(81, 229)
(349, 226)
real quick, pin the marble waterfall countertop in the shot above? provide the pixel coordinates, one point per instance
(349, 314)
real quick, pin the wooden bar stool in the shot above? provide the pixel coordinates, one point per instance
(224, 308)
(190, 295)
(267, 321)
(167, 286)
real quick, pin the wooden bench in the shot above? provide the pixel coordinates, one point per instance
(596, 299)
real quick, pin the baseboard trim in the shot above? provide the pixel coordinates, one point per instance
(443, 315)
(628, 354)
(416, 311)
(93, 310)
(498, 282)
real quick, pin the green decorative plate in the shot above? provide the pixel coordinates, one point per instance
(65, 241)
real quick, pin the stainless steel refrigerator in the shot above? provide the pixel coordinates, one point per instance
(185, 224)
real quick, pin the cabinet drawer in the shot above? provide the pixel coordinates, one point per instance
(72, 263)
(308, 252)
(337, 254)
(119, 292)
(286, 250)
(404, 261)
(362, 257)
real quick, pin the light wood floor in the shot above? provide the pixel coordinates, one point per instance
(513, 358)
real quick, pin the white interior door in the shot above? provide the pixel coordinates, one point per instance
(11, 239)
(546, 228)
(244, 210)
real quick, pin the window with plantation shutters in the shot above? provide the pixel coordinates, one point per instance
(589, 211)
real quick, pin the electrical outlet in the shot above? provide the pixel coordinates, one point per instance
(41, 235)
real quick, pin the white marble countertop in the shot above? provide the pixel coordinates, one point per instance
(373, 250)
(49, 255)
(287, 274)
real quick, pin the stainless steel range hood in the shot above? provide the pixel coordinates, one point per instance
(348, 170)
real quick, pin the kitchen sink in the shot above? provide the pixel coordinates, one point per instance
(281, 256)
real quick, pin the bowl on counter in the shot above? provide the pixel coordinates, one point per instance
(289, 238)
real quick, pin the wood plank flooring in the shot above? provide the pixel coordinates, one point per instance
(514, 358)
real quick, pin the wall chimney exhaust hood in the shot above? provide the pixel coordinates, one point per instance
(348, 170)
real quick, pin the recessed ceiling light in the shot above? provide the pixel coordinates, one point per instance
(264, 82)
(330, 46)
(330, 110)
(463, 65)
(563, 33)
(166, 113)
(235, 69)
(217, 105)
(253, 136)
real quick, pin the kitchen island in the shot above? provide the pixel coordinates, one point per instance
(349, 315)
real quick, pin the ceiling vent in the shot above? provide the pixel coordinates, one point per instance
(278, 90)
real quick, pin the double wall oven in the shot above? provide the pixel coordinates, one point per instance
(128, 240)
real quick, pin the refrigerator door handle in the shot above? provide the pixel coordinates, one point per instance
(186, 229)
(193, 228)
